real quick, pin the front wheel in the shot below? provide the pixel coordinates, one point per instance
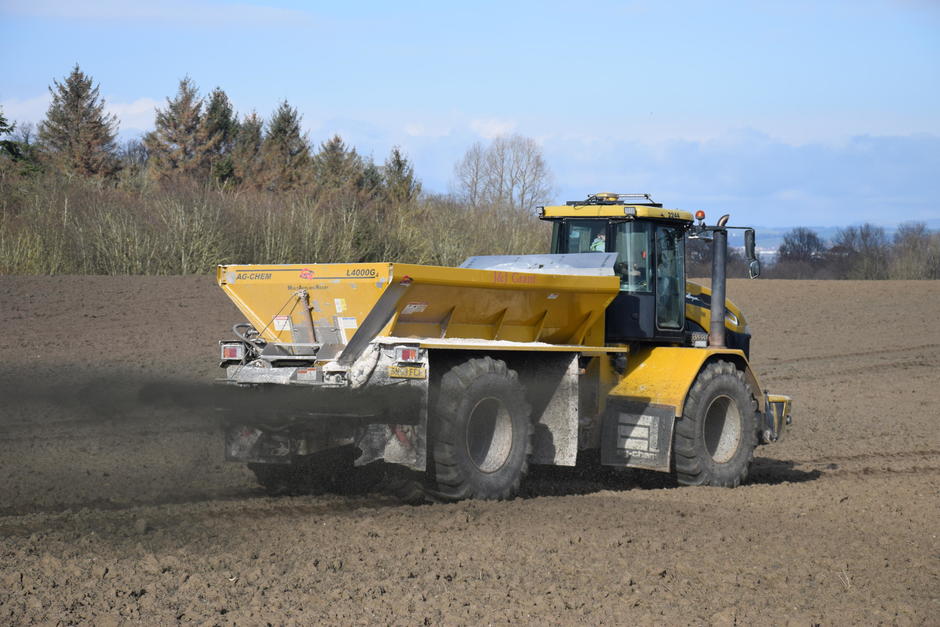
(481, 432)
(714, 441)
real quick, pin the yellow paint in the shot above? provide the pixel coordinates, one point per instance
(536, 312)
(780, 398)
(485, 310)
(587, 351)
(408, 372)
(614, 211)
(703, 316)
(663, 375)
(437, 302)
(262, 292)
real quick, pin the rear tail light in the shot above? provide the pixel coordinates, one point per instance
(233, 352)
(407, 354)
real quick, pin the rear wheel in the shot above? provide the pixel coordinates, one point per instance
(715, 438)
(279, 478)
(481, 433)
(331, 470)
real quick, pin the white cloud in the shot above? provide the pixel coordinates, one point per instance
(761, 179)
(136, 115)
(177, 11)
(418, 129)
(489, 128)
(30, 110)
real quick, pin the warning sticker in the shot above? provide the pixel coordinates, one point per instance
(281, 323)
(638, 434)
(344, 325)
(411, 308)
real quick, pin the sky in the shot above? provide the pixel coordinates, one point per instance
(781, 113)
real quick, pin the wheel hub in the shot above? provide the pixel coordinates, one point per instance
(489, 434)
(722, 429)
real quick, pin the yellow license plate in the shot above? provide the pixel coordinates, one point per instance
(408, 372)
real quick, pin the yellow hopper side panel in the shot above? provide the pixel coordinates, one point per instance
(453, 303)
(339, 295)
(414, 301)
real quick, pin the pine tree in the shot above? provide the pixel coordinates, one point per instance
(77, 135)
(7, 147)
(182, 143)
(370, 180)
(5, 126)
(20, 153)
(401, 187)
(336, 166)
(222, 124)
(246, 151)
(285, 151)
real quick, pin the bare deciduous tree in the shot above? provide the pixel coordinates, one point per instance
(802, 255)
(861, 252)
(511, 172)
(801, 245)
(916, 252)
(469, 174)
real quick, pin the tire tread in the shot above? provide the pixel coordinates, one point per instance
(689, 466)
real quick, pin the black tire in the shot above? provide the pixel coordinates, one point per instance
(405, 485)
(714, 441)
(331, 470)
(481, 433)
(277, 479)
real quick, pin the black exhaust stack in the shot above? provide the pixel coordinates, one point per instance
(716, 331)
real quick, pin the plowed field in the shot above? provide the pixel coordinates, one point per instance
(116, 506)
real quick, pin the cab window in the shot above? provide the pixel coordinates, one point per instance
(585, 236)
(670, 273)
(632, 243)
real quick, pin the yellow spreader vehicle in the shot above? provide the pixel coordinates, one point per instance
(460, 378)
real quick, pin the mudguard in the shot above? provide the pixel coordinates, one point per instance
(643, 407)
(663, 375)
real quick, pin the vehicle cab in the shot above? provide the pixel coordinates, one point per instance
(650, 245)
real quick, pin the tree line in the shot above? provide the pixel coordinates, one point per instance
(856, 252)
(197, 139)
(860, 252)
(209, 186)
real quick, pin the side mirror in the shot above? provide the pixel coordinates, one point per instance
(749, 245)
(753, 268)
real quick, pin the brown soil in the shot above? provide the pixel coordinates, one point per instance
(117, 507)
